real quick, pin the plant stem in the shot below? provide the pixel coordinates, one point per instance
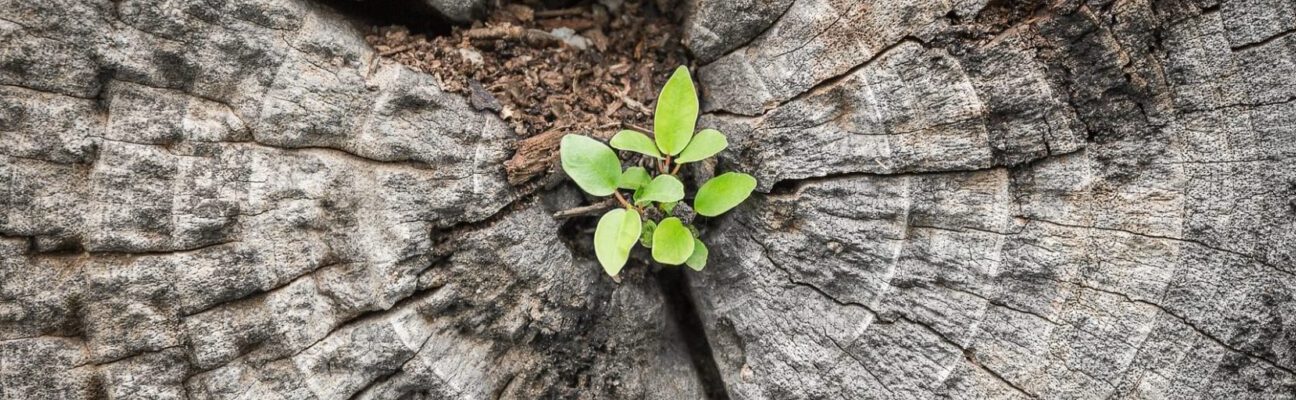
(639, 128)
(622, 199)
(676, 170)
(586, 210)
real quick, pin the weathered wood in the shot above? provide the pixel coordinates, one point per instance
(1003, 199)
(1020, 199)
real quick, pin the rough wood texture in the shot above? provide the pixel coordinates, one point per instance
(966, 199)
(1006, 200)
(235, 199)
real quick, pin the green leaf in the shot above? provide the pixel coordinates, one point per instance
(698, 260)
(705, 144)
(634, 178)
(635, 141)
(648, 228)
(672, 242)
(616, 234)
(662, 189)
(676, 114)
(669, 207)
(593, 166)
(723, 193)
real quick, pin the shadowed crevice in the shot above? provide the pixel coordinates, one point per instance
(417, 15)
(675, 288)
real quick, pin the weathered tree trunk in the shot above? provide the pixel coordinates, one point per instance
(968, 199)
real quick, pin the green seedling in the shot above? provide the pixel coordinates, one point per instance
(648, 215)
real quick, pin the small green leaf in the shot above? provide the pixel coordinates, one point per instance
(698, 260)
(616, 234)
(672, 242)
(669, 207)
(646, 239)
(635, 141)
(634, 178)
(705, 144)
(723, 193)
(662, 189)
(676, 114)
(593, 166)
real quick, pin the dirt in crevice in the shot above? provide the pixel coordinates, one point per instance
(587, 68)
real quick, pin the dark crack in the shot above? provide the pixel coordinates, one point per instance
(45, 91)
(683, 307)
(794, 185)
(388, 376)
(141, 253)
(969, 352)
(1262, 42)
(840, 16)
(999, 304)
(757, 36)
(1171, 238)
(861, 363)
(829, 82)
(1189, 324)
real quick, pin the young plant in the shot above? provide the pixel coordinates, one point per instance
(652, 215)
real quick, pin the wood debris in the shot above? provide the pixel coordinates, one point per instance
(540, 83)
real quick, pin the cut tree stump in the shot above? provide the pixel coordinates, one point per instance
(1021, 199)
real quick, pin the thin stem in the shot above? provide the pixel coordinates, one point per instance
(622, 199)
(639, 128)
(586, 210)
(676, 170)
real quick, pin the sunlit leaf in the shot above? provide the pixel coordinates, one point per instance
(616, 234)
(593, 166)
(705, 144)
(662, 189)
(672, 242)
(698, 259)
(635, 141)
(676, 114)
(723, 193)
(634, 178)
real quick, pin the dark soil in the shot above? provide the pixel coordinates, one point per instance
(517, 64)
